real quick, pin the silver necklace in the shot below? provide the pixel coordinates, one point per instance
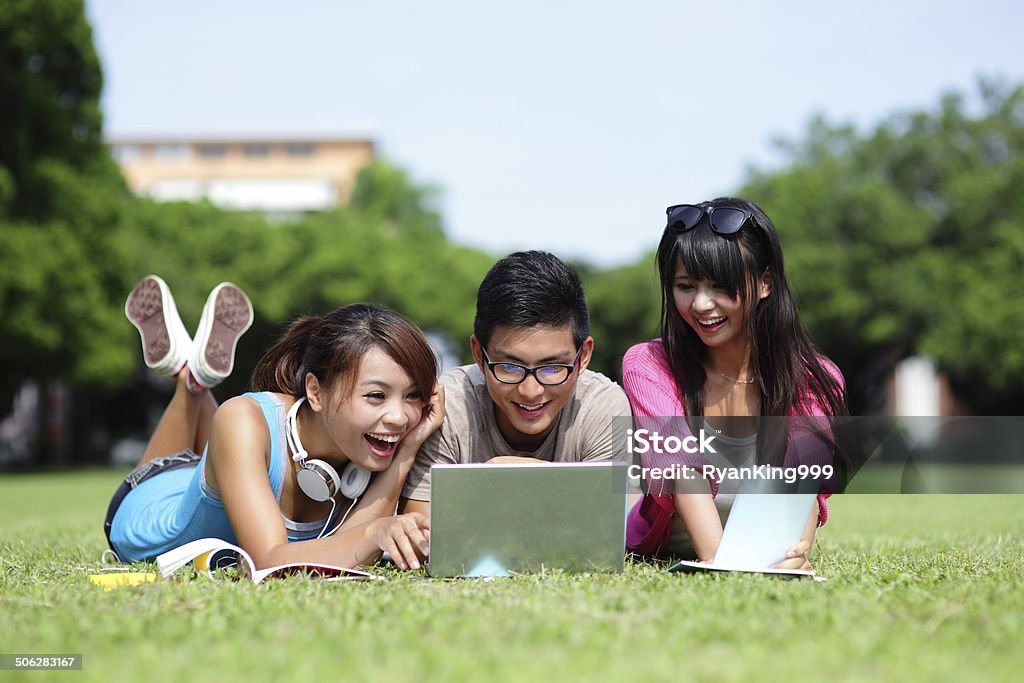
(734, 380)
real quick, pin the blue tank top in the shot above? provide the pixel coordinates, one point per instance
(176, 507)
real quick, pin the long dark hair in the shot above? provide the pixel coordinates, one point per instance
(789, 371)
(331, 346)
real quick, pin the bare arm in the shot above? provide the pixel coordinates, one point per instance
(420, 506)
(238, 450)
(696, 507)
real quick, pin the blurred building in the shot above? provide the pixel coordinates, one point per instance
(275, 175)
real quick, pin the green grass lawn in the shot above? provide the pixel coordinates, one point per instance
(926, 587)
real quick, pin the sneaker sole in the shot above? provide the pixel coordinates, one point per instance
(145, 310)
(232, 316)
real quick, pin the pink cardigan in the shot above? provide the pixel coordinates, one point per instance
(652, 393)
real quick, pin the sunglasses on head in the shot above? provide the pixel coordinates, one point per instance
(725, 220)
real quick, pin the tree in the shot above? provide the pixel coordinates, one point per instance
(61, 199)
(624, 304)
(910, 239)
(50, 85)
(387, 246)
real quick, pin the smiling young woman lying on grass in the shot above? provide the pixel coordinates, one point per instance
(351, 391)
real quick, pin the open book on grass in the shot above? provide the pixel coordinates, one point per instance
(759, 532)
(689, 566)
(210, 554)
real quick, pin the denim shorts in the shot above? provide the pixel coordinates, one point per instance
(185, 458)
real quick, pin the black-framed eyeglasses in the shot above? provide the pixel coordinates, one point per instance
(550, 374)
(725, 220)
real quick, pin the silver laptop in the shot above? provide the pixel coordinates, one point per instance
(497, 520)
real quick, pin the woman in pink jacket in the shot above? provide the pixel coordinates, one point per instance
(733, 360)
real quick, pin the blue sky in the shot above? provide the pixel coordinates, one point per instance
(567, 126)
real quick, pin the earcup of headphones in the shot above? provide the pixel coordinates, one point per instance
(354, 481)
(318, 480)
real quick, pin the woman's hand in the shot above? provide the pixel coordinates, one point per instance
(401, 536)
(433, 416)
(797, 557)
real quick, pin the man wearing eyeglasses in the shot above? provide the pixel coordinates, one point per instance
(529, 397)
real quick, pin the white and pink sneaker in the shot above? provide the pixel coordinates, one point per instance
(226, 316)
(166, 345)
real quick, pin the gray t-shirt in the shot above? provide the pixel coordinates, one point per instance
(470, 433)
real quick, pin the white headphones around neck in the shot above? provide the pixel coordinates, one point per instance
(317, 479)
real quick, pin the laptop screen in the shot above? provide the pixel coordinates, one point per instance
(496, 520)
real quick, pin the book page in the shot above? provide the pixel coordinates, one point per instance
(696, 567)
(202, 551)
(321, 571)
(762, 528)
(199, 553)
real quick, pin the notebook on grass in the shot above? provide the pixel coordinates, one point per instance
(763, 524)
(498, 520)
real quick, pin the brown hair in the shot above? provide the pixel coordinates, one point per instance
(331, 346)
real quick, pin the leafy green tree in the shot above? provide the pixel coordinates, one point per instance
(61, 198)
(910, 239)
(624, 305)
(50, 85)
(386, 194)
(387, 246)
